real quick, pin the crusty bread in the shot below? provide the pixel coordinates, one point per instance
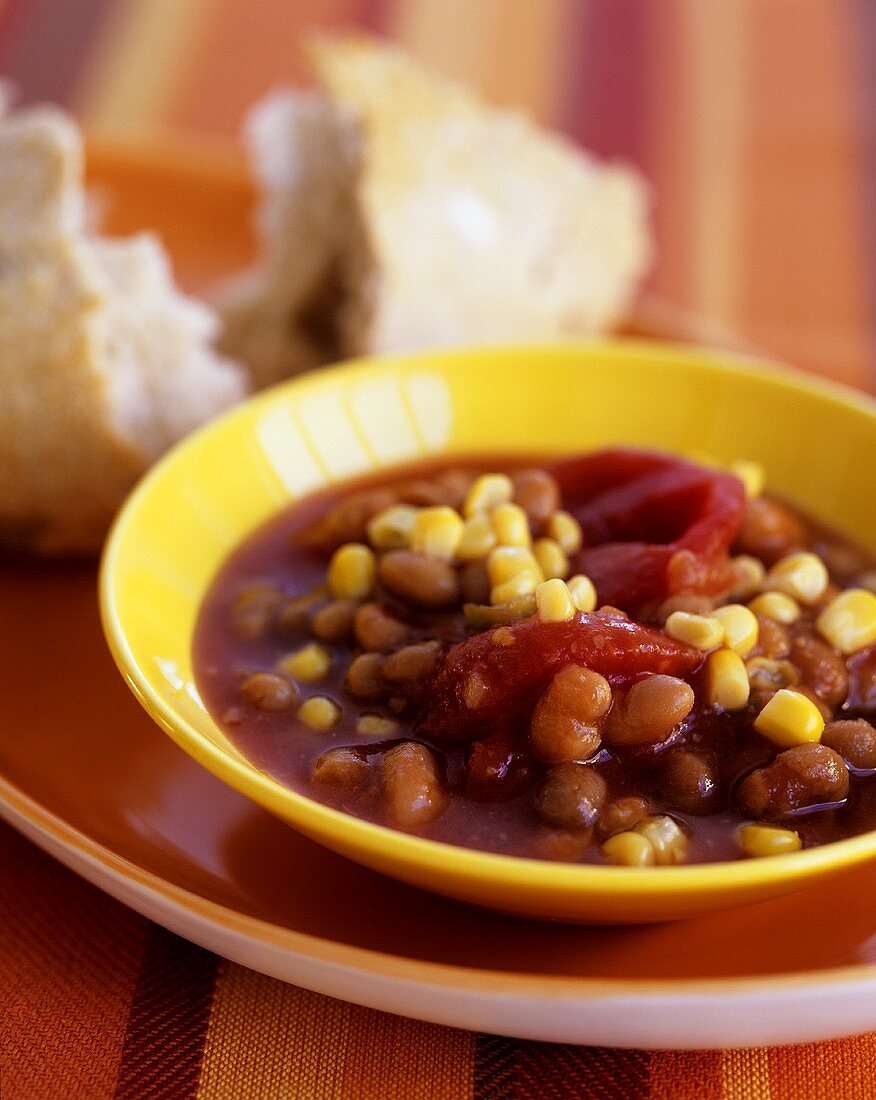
(103, 364)
(461, 223)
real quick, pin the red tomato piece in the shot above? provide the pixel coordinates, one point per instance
(653, 525)
(481, 684)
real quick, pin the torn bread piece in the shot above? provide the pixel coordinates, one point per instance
(103, 363)
(459, 223)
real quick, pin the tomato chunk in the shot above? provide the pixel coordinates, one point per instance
(653, 525)
(481, 684)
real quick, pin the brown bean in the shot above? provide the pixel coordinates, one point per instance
(804, 776)
(412, 664)
(456, 484)
(773, 639)
(269, 692)
(622, 814)
(474, 582)
(689, 783)
(421, 493)
(565, 722)
(347, 521)
(378, 631)
(769, 530)
(821, 668)
(537, 493)
(571, 796)
(649, 712)
(365, 676)
(412, 789)
(342, 767)
(334, 622)
(562, 846)
(294, 616)
(691, 602)
(418, 579)
(855, 740)
(254, 610)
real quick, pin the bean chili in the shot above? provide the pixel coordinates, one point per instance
(620, 657)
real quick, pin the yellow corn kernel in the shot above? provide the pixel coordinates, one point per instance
(726, 680)
(506, 562)
(777, 606)
(749, 573)
(752, 476)
(849, 621)
(521, 584)
(801, 575)
(352, 572)
(629, 850)
(486, 492)
(767, 840)
(478, 538)
(375, 725)
(319, 713)
(391, 528)
(437, 532)
(510, 525)
(789, 718)
(582, 591)
(740, 627)
(700, 631)
(553, 601)
(308, 664)
(566, 530)
(667, 840)
(552, 558)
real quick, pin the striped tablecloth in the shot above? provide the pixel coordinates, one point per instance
(754, 119)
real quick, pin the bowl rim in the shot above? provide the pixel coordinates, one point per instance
(467, 864)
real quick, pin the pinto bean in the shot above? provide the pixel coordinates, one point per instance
(855, 741)
(418, 579)
(269, 692)
(821, 668)
(377, 631)
(564, 724)
(649, 712)
(803, 776)
(769, 530)
(689, 783)
(571, 796)
(412, 789)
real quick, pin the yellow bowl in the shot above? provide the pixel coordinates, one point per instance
(817, 443)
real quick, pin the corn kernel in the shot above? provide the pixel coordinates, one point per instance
(740, 627)
(664, 835)
(352, 572)
(554, 601)
(319, 713)
(789, 718)
(726, 680)
(565, 530)
(391, 528)
(375, 725)
(582, 591)
(777, 606)
(510, 525)
(506, 562)
(308, 664)
(521, 584)
(551, 558)
(437, 532)
(749, 573)
(767, 840)
(849, 621)
(629, 850)
(752, 476)
(486, 492)
(478, 538)
(700, 631)
(801, 575)
(767, 674)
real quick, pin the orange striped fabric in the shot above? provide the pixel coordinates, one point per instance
(754, 122)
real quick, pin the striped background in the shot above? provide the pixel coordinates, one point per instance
(754, 120)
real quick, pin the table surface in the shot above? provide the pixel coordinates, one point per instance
(755, 125)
